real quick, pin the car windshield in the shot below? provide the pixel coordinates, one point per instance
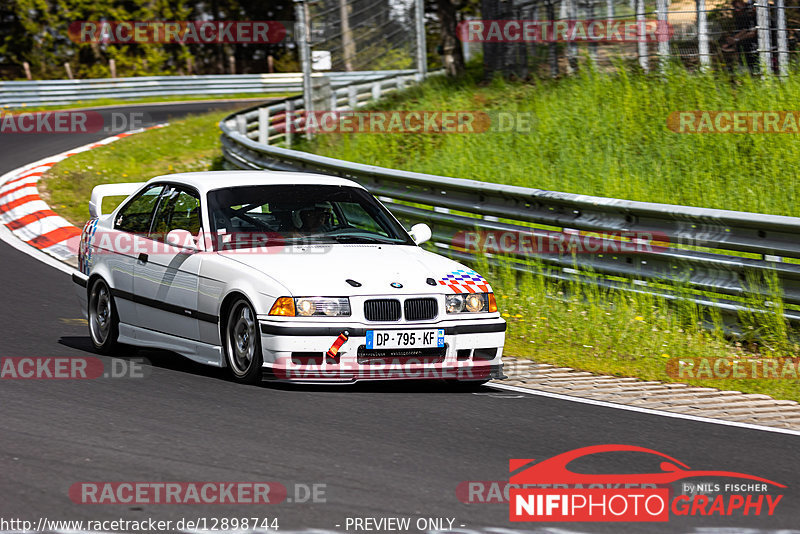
(250, 216)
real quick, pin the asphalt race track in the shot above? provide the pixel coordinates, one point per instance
(381, 451)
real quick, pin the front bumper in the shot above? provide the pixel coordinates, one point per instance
(297, 352)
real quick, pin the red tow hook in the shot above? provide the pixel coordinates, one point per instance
(334, 350)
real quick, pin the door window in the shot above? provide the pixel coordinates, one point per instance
(136, 215)
(178, 210)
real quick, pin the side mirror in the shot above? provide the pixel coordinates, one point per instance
(181, 239)
(420, 233)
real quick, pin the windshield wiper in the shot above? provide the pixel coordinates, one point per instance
(310, 239)
(367, 239)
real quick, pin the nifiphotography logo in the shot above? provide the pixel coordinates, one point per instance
(550, 491)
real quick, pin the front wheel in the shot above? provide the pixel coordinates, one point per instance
(243, 343)
(103, 318)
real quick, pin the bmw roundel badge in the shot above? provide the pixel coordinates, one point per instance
(396, 285)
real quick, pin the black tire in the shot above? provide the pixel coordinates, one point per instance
(242, 343)
(103, 318)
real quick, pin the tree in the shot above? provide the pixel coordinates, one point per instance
(495, 54)
(37, 32)
(452, 55)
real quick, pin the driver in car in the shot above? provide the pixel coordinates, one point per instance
(313, 218)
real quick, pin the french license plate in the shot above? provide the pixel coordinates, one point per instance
(405, 339)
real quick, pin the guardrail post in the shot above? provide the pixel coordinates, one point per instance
(376, 90)
(401, 83)
(288, 121)
(241, 125)
(352, 97)
(334, 101)
(263, 125)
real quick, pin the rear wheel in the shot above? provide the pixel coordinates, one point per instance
(103, 318)
(243, 343)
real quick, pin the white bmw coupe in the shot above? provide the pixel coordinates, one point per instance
(280, 275)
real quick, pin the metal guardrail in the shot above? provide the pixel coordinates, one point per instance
(706, 253)
(59, 92)
(268, 124)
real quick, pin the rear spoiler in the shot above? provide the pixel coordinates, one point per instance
(110, 190)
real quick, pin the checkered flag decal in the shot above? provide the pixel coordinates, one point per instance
(85, 248)
(466, 281)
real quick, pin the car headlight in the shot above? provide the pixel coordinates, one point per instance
(322, 306)
(454, 303)
(471, 303)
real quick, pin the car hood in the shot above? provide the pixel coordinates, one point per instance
(323, 270)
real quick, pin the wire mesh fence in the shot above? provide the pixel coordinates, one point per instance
(761, 36)
(348, 35)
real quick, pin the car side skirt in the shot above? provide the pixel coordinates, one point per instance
(190, 348)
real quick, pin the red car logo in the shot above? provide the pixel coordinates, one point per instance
(555, 471)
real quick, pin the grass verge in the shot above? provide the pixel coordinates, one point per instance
(606, 134)
(624, 334)
(602, 134)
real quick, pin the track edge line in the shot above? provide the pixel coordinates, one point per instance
(648, 411)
